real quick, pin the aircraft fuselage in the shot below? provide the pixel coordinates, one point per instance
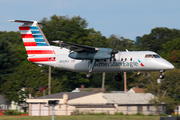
(125, 61)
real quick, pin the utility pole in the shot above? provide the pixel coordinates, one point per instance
(124, 82)
(49, 84)
(103, 81)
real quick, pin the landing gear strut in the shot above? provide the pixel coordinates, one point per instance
(118, 77)
(90, 68)
(161, 76)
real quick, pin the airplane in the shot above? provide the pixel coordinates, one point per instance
(80, 58)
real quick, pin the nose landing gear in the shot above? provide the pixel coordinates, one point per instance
(161, 76)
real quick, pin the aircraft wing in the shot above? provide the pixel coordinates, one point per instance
(76, 47)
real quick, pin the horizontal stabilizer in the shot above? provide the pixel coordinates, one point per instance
(23, 21)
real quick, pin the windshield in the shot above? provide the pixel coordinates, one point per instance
(152, 56)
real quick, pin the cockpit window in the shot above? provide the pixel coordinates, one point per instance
(152, 56)
(156, 56)
(148, 56)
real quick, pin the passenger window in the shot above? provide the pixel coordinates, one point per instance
(125, 59)
(121, 59)
(130, 59)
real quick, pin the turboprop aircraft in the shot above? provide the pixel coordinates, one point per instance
(80, 58)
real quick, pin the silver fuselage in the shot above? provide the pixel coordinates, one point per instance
(125, 61)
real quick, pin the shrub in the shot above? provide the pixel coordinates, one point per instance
(12, 112)
(76, 112)
(139, 114)
(150, 114)
(119, 113)
(163, 114)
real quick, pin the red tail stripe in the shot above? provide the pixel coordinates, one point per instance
(30, 44)
(47, 59)
(24, 28)
(27, 36)
(40, 52)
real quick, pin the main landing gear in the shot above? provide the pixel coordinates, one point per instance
(161, 76)
(118, 77)
(90, 68)
(89, 75)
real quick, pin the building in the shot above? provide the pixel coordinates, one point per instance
(132, 103)
(4, 104)
(96, 102)
(137, 90)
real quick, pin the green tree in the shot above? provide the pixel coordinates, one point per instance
(121, 43)
(163, 91)
(31, 77)
(72, 30)
(157, 37)
(9, 41)
(171, 51)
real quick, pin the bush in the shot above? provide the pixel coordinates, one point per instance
(127, 114)
(139, 114)
(92, 113)
(163, 114)
(76, 112)
(119, 113)
(150, 114)
(12, 112)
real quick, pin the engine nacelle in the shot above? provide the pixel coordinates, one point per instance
(102, 53)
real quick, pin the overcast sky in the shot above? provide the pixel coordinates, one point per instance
(126, 18)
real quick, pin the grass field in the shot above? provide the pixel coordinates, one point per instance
(82, 117)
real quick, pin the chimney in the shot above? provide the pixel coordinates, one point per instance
(82, 86)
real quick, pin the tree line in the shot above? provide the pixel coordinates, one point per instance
(16, 72)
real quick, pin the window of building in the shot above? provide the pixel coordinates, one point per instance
(140, 110)
(148, 108)
(128, 108)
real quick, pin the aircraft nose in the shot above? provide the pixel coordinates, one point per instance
(168, 65)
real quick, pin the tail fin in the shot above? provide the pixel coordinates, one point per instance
(34, 39)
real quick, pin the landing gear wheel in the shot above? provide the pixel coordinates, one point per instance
(89, 75)
(161, 76)
(118, 78)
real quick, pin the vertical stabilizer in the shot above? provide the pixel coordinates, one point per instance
(35, 42)
(34, 39)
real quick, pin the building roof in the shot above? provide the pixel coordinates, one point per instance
(71, 95)
(87, 90)
(139, 90)
(128, 98)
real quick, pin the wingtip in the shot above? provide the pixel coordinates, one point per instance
(11, 20)
(56, 41)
